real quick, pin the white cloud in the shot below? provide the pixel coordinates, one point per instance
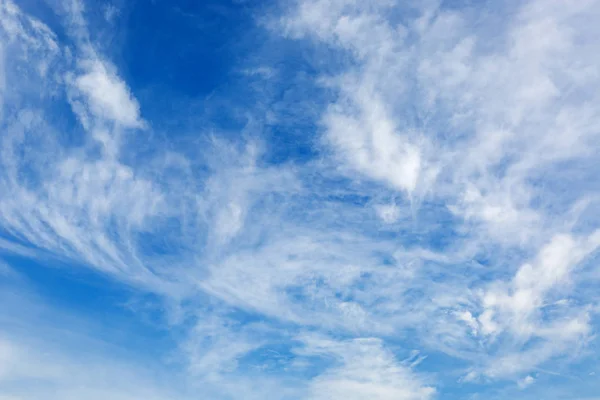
(360, 125)
(107, 95)
(470, 320)
(215, 345)
(528, 290)
(485, 139)
(30, 372)
(264, 72)
(363, 369)
(110, 12)
(388, 213)
(82, 206)
(527, 381)
(48, 353)
(515, 309)
(441, 107)
(82, 203)
(371, 144)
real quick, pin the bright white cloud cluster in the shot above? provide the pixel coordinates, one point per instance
(107, 95)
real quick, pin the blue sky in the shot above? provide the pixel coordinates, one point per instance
(309, 199)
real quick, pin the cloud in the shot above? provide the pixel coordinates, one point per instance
(439, 108)
(528, 380)
(388, 213)
(107, 96)
(111, 12)
(49, 351)
(359, 126)
(447, 202)
(30, 372)
(533, 281)
(363, 369)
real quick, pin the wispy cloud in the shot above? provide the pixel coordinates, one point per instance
(363, 368)
(30, 372)
(448, 203)
(438, 107)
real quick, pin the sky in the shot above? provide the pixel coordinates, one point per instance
(299, 199)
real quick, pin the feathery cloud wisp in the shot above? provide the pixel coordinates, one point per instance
(447, 203)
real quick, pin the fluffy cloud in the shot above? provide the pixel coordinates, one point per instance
(107, 96)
